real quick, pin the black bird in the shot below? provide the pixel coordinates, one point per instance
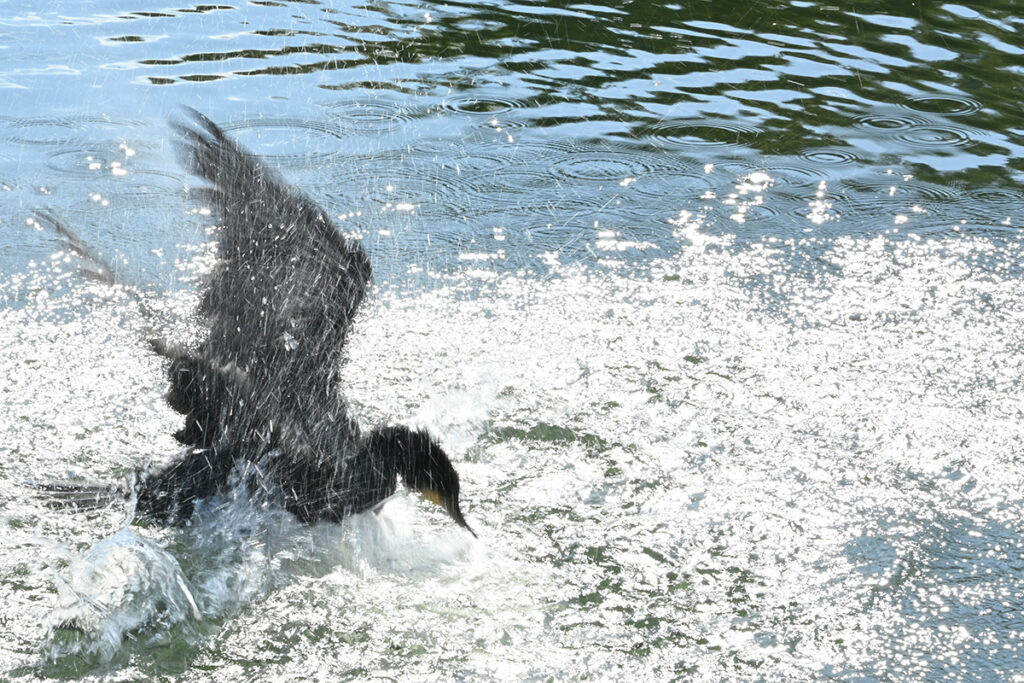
(260, 393)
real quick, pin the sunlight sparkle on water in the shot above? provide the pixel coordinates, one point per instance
(639, 439)
(721, 327)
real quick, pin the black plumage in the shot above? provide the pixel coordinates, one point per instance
(260, 392)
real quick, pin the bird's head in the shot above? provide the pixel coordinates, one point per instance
(423, 466)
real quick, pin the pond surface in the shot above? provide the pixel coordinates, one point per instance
(717, 306)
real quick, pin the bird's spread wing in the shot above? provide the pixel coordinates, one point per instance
(288, 283)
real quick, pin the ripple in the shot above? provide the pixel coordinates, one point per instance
(995, 206)
(487, 154)
(566, 238)
(895, 186)
(999, 197)
(886, 123)
(668, 185)
(951, 105)
(507, 128)
(830, 156)
(786, 175)
(83, 162)
(794, 176)
(608, 166)
(288, 141)
(550, 208)
(479, 162)
(41, 131)
(376, 115)
(488, 106)
(892, 194)
(700, 133)
(516, 180)
(59, 130)
(752, 213)
(503, 124)
(154, 186)
(933, 135)
(931, 191)
(529, 150)
(436, 192)
(508, 194)
(824, 203)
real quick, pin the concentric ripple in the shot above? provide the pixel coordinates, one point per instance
(610, 165)
(892, 198)
(85, 162)
(288, 142)
(502, 124)
(519, 202)
(516, 180)
(371, 115)
(935, 135)
(426, 191)
(1003, 198)
(482, 105)
(791, 175)
(893, 185)
(63, 130)
(995, 207)
(667, 186)
(830, 156)
(950, 105)
(480, 160)
(700, 133)
(883, 122)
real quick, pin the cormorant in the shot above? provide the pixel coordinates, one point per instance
(260, 393)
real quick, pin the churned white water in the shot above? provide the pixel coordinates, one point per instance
(672, 472)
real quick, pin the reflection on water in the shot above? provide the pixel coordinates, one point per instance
(718, 307)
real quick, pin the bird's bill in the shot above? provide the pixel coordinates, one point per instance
(450, 505)
(456, 514)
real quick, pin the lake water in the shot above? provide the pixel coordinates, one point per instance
(717, 306)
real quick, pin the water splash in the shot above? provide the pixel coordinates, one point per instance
(125, 587)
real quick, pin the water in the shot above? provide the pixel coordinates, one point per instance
(717, 306)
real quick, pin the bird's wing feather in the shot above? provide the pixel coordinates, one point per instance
(288, 284)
